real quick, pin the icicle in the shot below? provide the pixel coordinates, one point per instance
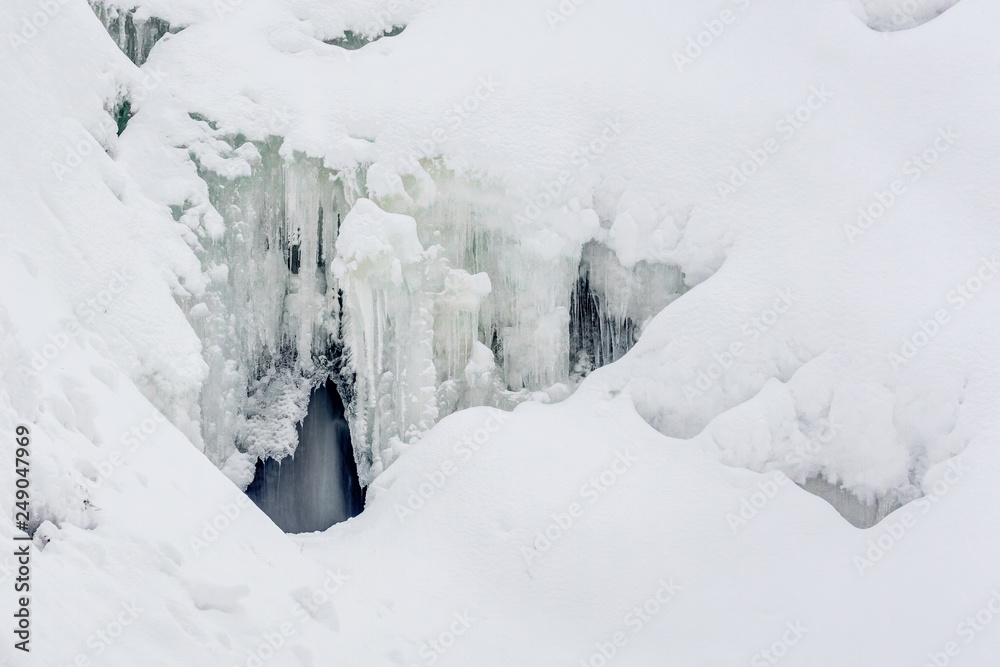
(412, 323)
(135, 37)
(463, 305)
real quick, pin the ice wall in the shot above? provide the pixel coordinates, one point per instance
(353, 40)
(525, 318)
(318, 485)
(860, 513)
(270, 319)
(433, 295)
(411, 324)
(612, 303)
(134, 35)
(520, 306)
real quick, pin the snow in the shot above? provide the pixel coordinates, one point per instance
(796, 216)
(371, 237)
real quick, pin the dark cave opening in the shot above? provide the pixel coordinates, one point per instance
(596, 339)
(318, 485)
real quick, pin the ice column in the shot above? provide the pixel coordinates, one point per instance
(134, 36)
(395, 295)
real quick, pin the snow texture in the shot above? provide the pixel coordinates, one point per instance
(602, 284)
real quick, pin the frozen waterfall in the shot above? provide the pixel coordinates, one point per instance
(134, 35)
(318, 485)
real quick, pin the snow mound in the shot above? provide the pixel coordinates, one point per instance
(890, 15)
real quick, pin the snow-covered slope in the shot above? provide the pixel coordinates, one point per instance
(808, 205)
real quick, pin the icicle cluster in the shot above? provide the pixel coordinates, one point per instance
(134, 36)
(458, 303)
(405, 310)
(270, 320)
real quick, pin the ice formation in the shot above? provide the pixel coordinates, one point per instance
(501, 292)
(134, 34)
(578, 261)
(271, 323)
(437, 221)
(330, 283)
(353, 41)
(891, 15)
(505, 300)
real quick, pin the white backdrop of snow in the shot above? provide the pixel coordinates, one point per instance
(120, 520)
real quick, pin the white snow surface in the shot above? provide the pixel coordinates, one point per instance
(664, 470)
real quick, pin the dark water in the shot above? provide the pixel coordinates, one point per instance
(318, 486)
